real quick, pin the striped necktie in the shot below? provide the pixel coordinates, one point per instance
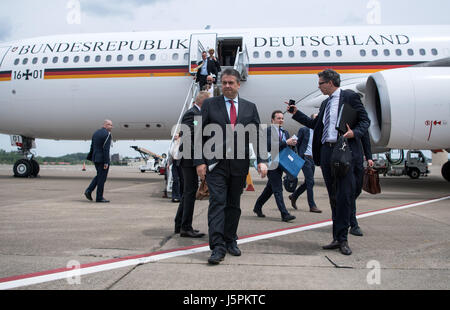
(326, 122)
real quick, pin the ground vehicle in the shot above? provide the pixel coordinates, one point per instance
(414, 166)
(153, 161)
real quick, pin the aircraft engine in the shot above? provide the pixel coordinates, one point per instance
(409, 108)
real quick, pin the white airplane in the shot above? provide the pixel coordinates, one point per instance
(64, 86)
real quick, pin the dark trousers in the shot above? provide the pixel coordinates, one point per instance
(224, 209)
(274, 186)
(201, 80)
(98, 181)
(308, 171)
(341, 192)
(177, 182)
(185, 212)
(359, 175)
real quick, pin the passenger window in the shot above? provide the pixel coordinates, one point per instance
(422, 52)
(315, 53)
(55, 59)
(303, 53)
(291, 54)
(374, 52)
(35, 60)
(279, 54)
(87, 58)
(130, 57)
(153, 57)
(66, 59)
(76, 59)
(398, 52)
(327, 53)
(44, 60)
(98, 58)
(410, 52)
(267, 54)
(362, 53)
(16, 62)
(175, 56)
(141, 57)
(108, 58)
(339, 53)
(186, 56)
(119, 57)
(24, 61)
(434, 52)
(387, 52)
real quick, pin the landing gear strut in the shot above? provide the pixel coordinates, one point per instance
(27, 166)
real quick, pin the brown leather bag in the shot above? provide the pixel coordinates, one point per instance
(202, 191)
(371, 181)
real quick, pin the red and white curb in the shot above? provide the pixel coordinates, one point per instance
(84, 269)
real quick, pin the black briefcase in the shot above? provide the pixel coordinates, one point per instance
(341, 158)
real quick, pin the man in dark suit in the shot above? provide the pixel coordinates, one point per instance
(205, 67)
(225, 165)
(304, 150)
(100, 145)
(341, 190)
(185, 212)
(275, 184)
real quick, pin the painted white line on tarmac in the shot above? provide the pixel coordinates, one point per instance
(67, 273)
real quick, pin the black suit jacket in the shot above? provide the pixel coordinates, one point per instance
(214, 112)
(101, 143)
(189, 120)
(210, 67)
(303, 139)
(360, 128)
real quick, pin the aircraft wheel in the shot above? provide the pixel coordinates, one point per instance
(22, 168)
(35, 168)
(445, 171)
(142, 171)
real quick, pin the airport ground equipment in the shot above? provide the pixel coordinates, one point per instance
(414, 165)
(153, 160)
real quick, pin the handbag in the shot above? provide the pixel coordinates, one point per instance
(371, 181)
(290, 183)
(341, 158)
(202, 191)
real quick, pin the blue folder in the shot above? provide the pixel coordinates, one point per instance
(290, 162)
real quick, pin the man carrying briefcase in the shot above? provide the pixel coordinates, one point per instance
(274, 184)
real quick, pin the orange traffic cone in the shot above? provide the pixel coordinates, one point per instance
(249, 181)
(84, 166)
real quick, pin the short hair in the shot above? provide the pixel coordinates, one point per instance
(233, 72)
(331, 75)
(211, 50)
(202, 95)
(275, 113)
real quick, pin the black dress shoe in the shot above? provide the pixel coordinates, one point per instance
(333, 245)
(190, 234)
(259, 213)
(293, 201)
(233, 250)
(315, 210)
(356, 231)
(216, 257)
(177, 230)
(102, 200)
(344, 248)
(88, 195)
(287, 218)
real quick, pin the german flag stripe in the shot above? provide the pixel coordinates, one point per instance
(5, 75)
(315, 68)
(78, 73)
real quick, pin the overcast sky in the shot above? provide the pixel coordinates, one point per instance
(29, 18)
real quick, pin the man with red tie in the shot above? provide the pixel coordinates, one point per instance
(226, 169)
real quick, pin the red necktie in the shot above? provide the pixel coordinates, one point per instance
(232, 113)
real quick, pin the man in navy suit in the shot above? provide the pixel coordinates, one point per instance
(100, 145)
(341, 190)
(304, 150)
(274, 184)
(226, 169)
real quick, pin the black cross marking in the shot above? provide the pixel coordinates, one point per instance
(27, 75)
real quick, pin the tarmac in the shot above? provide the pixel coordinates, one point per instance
(47, 227)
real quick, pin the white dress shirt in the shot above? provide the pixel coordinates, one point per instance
(332, 133)
(228, 105)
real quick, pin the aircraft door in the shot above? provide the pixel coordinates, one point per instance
(3, 51)
(200, 42)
